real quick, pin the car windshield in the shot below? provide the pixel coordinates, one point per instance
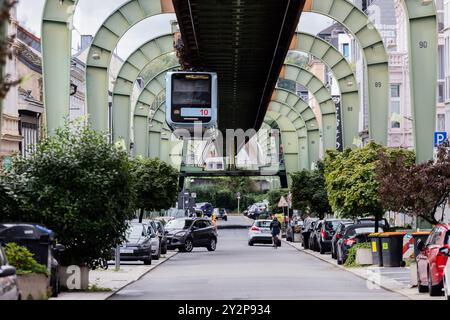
(362, 230)
(135, 232)
(332, 225)
(263, 224)
(179, 224)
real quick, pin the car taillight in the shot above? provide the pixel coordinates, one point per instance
(349, 242)
(256, 229)
(324, 234)
(441, 262)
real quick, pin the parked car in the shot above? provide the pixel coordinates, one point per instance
(185, 234)
(161, 231)
(8, 279)
(138, 245)
(353, 234)
(315, 235)
(382, 223)
(446, 280)
(325, 236)
(256, 210)
(308, 227)
(432, 261)
(206, 208)
(291, 228)
(155, 240)
(260, 233)
(221, 213)
(338, 235)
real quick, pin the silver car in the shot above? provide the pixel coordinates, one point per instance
(8, 279)
(155, 241)
(260, 232)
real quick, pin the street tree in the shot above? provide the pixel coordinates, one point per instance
(78, 185)
(416, 189)
(309, 192)
(156, 185)
(351, 182)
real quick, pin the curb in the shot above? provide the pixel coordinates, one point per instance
(140, 277)
(398, 291)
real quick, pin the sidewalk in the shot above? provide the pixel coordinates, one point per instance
(392, 279)
(114, 281)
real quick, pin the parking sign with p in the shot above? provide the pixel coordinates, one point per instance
(439, 138)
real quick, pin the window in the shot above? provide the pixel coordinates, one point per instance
(395, 107)
(395, 91)
(346, 50)
(441, 122)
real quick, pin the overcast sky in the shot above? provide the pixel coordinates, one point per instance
(91, 13)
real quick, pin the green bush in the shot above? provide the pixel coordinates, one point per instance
(351, 260)
(78, 185)
(22, 259)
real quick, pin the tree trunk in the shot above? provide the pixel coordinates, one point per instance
(377, 222)
(141, 215)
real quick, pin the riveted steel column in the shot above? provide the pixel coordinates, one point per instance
(375, 56)
(127, 77)
(56, 58)
(289, 139)
(345, 76)
(100, 53)
(423, 65)
(322, 95)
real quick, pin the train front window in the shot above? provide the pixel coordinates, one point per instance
(191, 91)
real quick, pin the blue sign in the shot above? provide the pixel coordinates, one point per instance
(439, 138)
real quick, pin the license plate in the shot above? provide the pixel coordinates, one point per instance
(266, 231)
(126, 251)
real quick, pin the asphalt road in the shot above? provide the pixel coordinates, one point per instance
(236, 272)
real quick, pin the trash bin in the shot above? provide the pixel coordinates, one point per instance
(419, 236)
(377, 253)
(37, 239)
(392, 248)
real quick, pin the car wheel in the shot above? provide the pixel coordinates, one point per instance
(156, 257)
(55, 287)
(225, 218)
(250, 243)
(421, 288)
(148, 261)
(436, 290)
(321, 249)
(212, 245)
(188, 246)
(164, 249)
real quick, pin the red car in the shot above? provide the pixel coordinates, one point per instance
(431, 261)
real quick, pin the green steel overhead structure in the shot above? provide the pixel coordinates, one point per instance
(323, 96)
(375, 58)
(101, 51)
(56, 47)
(423, 68)
(155, 85)
(151, 51)
(56, 58)
(343, 72)
(130, 71)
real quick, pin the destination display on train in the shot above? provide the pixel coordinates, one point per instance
(196, 112)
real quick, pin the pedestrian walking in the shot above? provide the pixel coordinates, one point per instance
(275, 228)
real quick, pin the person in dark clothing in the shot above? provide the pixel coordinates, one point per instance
(275, 228)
